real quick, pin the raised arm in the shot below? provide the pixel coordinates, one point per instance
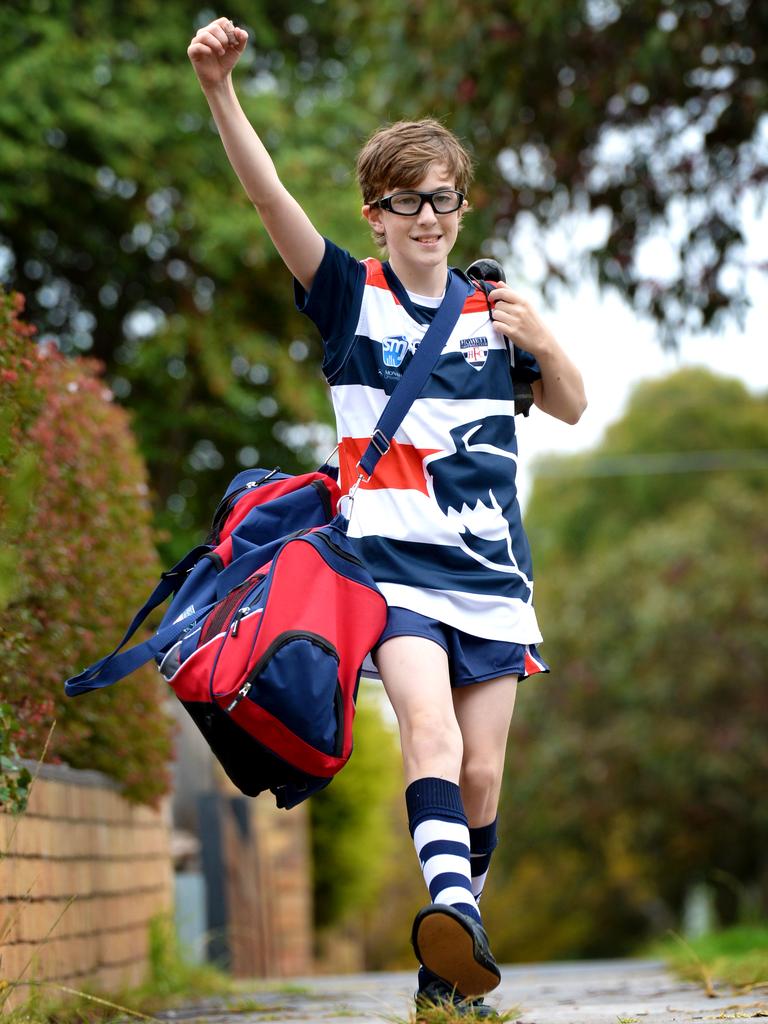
(214, 51)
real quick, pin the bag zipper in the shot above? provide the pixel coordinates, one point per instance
(274, 647)
(346, 555)
(227, 604)
(265, 596)
(226, 505)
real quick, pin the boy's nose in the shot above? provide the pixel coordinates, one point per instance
(426, 215)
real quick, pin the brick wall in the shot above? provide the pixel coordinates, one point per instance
(81, 874)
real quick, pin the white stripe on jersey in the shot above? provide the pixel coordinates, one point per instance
(428, 423)
(381, 316)
(508, 619)
(418, 518)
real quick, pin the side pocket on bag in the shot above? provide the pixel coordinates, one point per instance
(297, 680)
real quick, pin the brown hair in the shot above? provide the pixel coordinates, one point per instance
(400, 154)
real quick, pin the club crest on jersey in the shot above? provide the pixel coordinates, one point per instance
(393, 349)
(475, 351)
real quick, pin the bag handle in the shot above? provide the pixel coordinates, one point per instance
(118, 665)
(415, 377)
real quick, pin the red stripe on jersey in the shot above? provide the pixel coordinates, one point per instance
(374, 275)
(402, 468)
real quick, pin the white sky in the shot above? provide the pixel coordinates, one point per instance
(615, 349)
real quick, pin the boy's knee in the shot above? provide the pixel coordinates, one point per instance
(480, 775)
(429, 734)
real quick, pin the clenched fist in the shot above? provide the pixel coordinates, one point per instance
(215, 50)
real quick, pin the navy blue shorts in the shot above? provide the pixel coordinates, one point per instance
(471, 659)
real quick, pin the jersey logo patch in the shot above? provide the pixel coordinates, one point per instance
(475, 351)
(393, 349)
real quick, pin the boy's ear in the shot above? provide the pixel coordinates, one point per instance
(462, 210)
(373, 215)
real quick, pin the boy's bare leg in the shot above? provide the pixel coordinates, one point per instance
(484, 713)
(414, 671)
(447, 934)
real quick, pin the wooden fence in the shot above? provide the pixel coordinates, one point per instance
(257, 867)
(82, 872)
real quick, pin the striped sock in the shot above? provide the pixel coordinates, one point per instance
(482, 843)
(440, 834)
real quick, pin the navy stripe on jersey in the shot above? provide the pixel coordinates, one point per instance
(439, 567)
(335, 320)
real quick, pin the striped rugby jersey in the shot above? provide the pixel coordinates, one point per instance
(438, 525)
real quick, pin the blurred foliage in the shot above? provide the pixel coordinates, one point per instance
(735, 956)
(132, 238)
(638, 771)
(682, 423)
(385, 940)
(123, 223)
(78, 558)
(352, 838)
(651, 113)
(15, 780)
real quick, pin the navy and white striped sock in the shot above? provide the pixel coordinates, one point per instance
(440, 834)
(482, 843)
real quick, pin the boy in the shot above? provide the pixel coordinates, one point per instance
(438, 525)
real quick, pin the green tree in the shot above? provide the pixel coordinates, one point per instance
(650, 112)
(636, 770)
(125, 227)
(676, 437)
(351, 833)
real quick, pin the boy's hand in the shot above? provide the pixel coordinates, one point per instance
(215, 50)
(519, 321)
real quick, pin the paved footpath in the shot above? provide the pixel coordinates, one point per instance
(589, 992)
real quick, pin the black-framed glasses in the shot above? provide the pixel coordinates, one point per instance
(408, 203)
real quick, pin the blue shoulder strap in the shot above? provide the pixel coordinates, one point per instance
(415, 377)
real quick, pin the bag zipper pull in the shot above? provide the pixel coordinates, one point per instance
(241, 613)
(241, 693)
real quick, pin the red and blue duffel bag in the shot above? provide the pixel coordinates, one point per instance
(264, 640)
(273, 617)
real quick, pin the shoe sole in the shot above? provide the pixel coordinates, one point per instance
(447, 949)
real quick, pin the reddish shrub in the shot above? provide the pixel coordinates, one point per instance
(76, 560)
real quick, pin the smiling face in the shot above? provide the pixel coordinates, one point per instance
(419, 246)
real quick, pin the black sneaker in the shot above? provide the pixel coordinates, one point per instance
(454, 947)
(434, 992)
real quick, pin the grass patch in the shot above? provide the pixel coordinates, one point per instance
(737, 957)
(170, 981)
(443, 1013)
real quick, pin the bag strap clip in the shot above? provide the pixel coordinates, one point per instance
(380, 442)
